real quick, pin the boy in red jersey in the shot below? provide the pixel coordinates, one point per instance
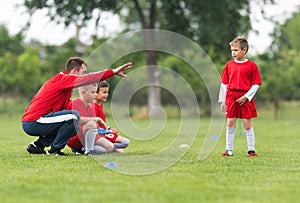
(102, 94)
(88, 137)
(46, 116)
(240, 81)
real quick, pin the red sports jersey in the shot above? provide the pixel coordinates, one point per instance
(55, 94)
(77, 104)
(240, 76)
(76, 141)
(93, 110)
(100, 113)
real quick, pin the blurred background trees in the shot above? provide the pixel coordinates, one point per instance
(211, 26)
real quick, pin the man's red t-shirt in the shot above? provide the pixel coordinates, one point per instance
(55, 94)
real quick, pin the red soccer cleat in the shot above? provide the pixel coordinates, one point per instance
(227, 153)
(252, 153)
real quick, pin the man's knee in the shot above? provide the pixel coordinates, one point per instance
(76, 114)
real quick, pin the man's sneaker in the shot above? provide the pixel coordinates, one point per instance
(56, 153)
(80, 151)
(33, 149)
(227, 153)
(252, 153)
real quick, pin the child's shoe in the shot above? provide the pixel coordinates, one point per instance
(227, 153)
(252, 153)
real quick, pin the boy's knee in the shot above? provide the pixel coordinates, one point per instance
(90, 125)
(110, 147)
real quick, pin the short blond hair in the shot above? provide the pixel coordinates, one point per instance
(240, 41)
(87, 87)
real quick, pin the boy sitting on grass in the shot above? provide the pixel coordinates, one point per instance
(102, 94)
(87, 139)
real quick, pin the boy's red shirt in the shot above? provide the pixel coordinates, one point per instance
(240, 76)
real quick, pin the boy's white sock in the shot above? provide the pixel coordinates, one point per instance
(250, 139)
(90, 136)
(229, 138)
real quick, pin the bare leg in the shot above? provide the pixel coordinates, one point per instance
(106, 144)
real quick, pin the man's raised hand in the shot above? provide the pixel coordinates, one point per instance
(120, 70)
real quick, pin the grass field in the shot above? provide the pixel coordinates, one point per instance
(273, 176)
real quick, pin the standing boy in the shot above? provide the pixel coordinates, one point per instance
(46, 116)
(240, 81)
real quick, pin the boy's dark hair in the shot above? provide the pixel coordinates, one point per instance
(74, 62)
(102, 83)
(241, 41)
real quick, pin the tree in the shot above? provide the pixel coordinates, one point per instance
(280, 66)
(13, 44)
(10, 49)
(211, 24)
(28, 72)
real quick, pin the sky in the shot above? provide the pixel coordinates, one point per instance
(48, 32)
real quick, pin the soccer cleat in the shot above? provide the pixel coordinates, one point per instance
(80, 151)
(227, 153)
(56, 153)
(33, 149)
(252, 153)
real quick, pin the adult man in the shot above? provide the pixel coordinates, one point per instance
(46, 116)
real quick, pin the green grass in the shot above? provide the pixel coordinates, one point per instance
(274, 176)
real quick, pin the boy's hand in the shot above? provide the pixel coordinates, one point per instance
(120, 70)
(223, 106)
(241, 100)
(114, 130)
(98, 119)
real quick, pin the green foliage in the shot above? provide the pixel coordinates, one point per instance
(8, 64)
(13, 44)
(281, 67)
(57, 56)
(286, 35)
(67, 12)
(28, 72)
(10, 48)
(190, 75)
(216, 23)
(207, 24)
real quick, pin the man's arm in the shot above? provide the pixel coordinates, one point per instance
(72, 81)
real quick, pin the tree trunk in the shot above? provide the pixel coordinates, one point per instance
(276, 107)
(154, 92)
